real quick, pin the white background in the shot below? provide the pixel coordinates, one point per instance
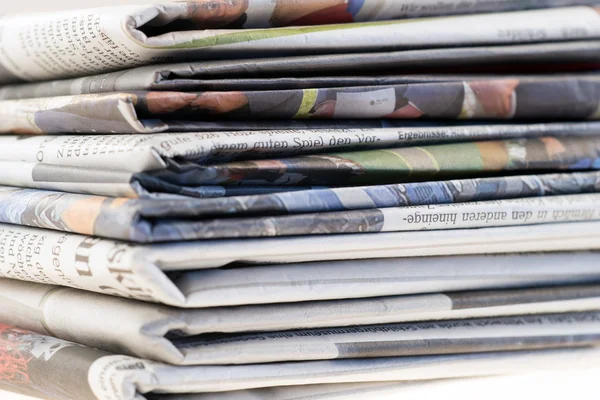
(12, 6)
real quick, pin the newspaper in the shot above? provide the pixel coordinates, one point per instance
(277, 71)
(512, 212)
(583, 207)
(106, 165)
(54, 369)
(573, 97)
(340, 391)
(383, 277)
(138, 271)
(227, 125)
(138, 153)
(283, 83)
(396, 340)
(180, 336)
(214, 126)
(319, 211)
(394, 165)
(45, 46)
(556, 385)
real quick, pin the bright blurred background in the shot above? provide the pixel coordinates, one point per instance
(45, 5)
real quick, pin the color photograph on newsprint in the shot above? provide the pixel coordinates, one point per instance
(299, 199)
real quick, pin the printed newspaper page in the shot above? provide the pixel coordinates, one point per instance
(130, 167)
(179, 336)
(129, 270)
(172, 219)
(487, 98)
(61, 370)
(283, 72)
(83, 42)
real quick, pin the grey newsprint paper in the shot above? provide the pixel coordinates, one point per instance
(178, 164)
(466, 203)
(339, 329)
(389, 390)
(495, 97)
(154, 221)
(147, 272)
(85, 42)
(138, 153)
(276, 72)
(358, 69)
(59, 370)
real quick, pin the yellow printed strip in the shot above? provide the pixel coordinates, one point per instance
(309, 96)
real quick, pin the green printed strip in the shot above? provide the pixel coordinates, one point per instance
(456, 157)
(378, 166)
(419, 160)
(251, 35)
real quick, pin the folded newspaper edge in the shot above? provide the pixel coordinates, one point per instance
(391, 340)
(172, 82)
(226, 73)
(234, 125)
(384, 166)
(380, 277)
(129, 168)
(147, 220)
(330, 280)
(494, 98)
(139, 153)
(62, 370)
(339, 391)
(171, 335)
(129, 270)
(138, 35)
(495, 213)
(110, 217)
(554, 383)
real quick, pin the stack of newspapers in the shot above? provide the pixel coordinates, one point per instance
(294, 199)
